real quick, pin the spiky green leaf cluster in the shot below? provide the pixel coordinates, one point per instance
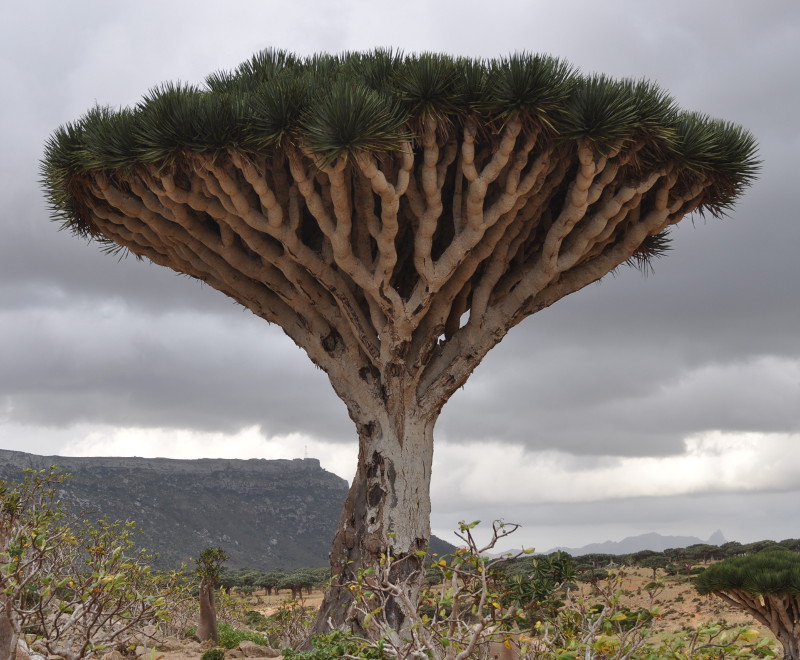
(774, 570)
(338, 105)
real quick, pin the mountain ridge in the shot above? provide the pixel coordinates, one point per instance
(648, 541)
(264, 513)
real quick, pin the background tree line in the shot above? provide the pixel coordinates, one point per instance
(297, 582)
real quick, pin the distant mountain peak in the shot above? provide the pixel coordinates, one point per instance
(717, 538)
(650, 541)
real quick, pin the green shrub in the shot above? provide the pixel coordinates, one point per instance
(213, 654)
(289, 625)
(230, 638)
(335, 644)
(256, 620)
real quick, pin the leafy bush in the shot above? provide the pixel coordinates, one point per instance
(213, 654)
(230, 637)
(337, 644)
(74, 587)
(256, 620)
(289, 625)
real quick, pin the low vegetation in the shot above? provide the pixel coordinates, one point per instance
(79, 589)
(529, 607)
(70, 587)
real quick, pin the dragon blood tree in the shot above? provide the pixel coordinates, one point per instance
(766, 585)
(396, 216)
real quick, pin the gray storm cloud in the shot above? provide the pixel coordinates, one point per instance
(629, 367)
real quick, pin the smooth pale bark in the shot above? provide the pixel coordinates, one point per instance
(207, 624)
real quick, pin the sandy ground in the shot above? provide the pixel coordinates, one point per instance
(268, 604)
(679, 604)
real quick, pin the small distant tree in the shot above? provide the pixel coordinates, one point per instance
(272, 580)
(680, 560)
(654, 563)
(766, 585)
(297, 581)
(209, 569)
(249, 577)
(704, 552)
(636, 558)
(229, 579)
(732, 548)
(594, 560)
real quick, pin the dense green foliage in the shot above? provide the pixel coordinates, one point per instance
(213, 654)
(209, 564)
(336, 644)
(335, 106)
(230, 637)
(773, 570)
(296, 581)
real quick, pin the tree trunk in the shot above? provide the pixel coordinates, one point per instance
(9, 635)
(387, 511)
(790, 643)
(9, 623)
(207, 626)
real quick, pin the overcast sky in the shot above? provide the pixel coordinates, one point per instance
(669, 403)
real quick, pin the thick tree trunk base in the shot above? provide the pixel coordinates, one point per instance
(207, 625)
(9, 636)
(387, 512)
(791, 645)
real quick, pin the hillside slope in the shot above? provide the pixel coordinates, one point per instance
(264, 513)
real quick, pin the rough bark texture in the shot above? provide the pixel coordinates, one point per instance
(395, 273)
(386, 512)
(9, 635)
(778, 612)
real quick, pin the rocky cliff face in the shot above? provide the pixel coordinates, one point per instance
(264, 513)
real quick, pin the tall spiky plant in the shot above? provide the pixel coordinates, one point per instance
(396, 216)
(765, 584)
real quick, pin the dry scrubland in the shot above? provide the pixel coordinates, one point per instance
(679, 603)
